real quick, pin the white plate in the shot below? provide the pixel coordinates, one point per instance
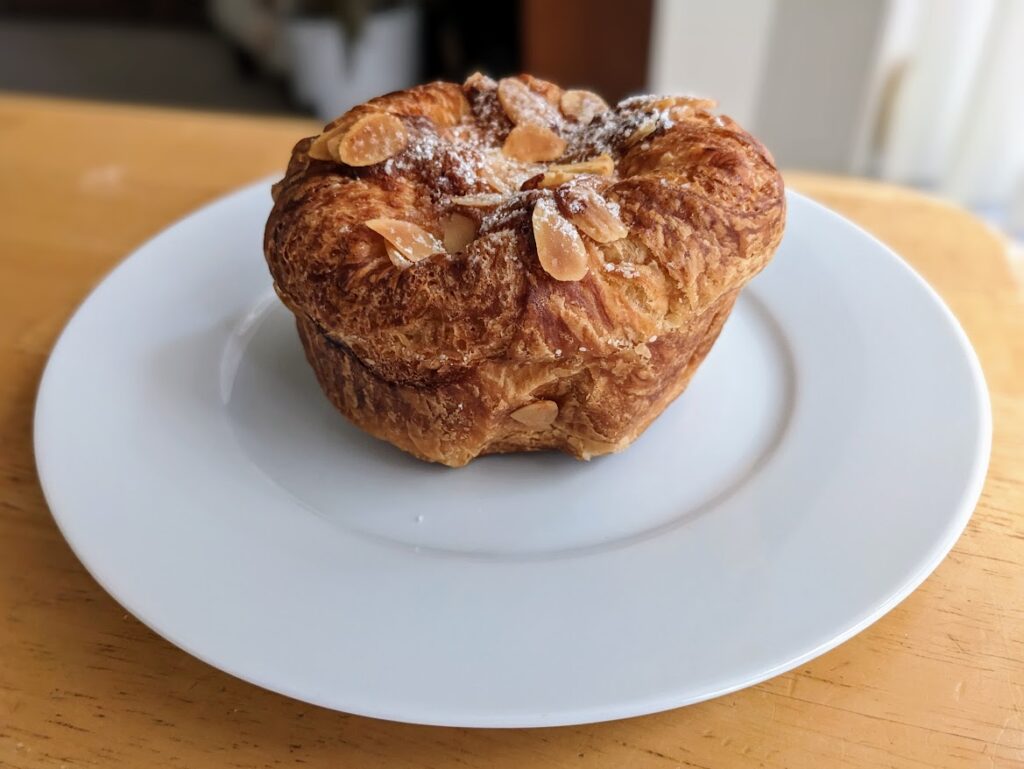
(821, 464)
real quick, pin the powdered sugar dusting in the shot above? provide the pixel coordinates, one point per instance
(463, 166)
(625, 269)
(510, 213)
(449, 166)
(523, 105)
(612, 131)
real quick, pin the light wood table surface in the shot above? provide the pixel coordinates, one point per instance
(939, 682)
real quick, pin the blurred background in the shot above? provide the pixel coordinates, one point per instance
(927, 93)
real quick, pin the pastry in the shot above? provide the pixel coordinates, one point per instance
(509, 266)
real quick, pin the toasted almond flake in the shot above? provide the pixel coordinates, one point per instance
(537, 415)
(371, 139)
(545, 88)
(663, 103)
(318, 149)
(459, 232)
(592, 214)
(533, 143)
(483, 200)
(479, 81)
(396, 256)
(642, 132)
(332, 145)
(581, 105)
(410, 241)
(685, 102)
(560, 248)
(496, 172)
(557, 175)
(548, 180)
(523, 105)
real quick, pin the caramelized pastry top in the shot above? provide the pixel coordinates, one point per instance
(433, 229)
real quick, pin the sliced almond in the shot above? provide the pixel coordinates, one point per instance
(549, 180)
(459, 232)
(682, 113)
(642, 131)
(371, 139)
(602, 165)
(649, 102)
(533, 143)
(496, 172)
(547, 90)
(523, 105)
(483, 200)
(479, 81)
(537, 415)
(318, 149)
(688, 102)
(397, 258)
(680, 107)
(590, 212)
(557, 175)
(581, 105)
(560, 248)
(410, 241)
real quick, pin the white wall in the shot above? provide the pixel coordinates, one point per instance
(815, 105)
(801, 74)
(714, 49)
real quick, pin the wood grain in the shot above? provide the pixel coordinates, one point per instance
(939, 682)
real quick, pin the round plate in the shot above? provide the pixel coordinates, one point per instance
(821, 464)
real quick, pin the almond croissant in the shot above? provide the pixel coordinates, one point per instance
(507, 266)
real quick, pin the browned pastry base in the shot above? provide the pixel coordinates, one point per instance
(601, 408)
(507, 266)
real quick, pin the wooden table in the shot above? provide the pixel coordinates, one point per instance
(938, 682)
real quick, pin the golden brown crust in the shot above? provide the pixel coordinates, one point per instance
(437, 355)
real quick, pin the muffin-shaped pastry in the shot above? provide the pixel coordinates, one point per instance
(509, 266)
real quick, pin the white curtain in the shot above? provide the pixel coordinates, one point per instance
(987, 168)
(957, 122)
